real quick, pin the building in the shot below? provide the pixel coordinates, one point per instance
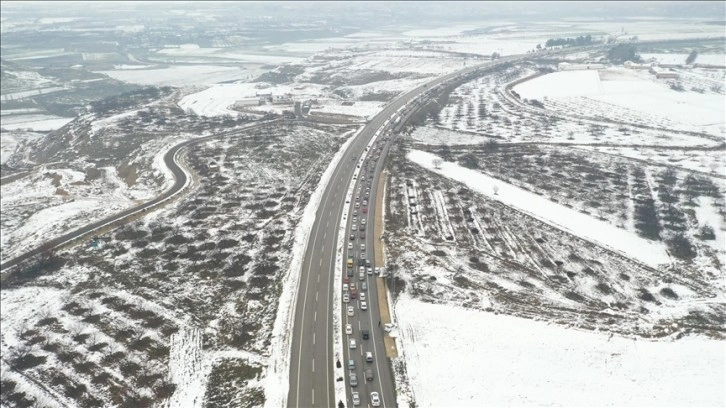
(663, 74)
(566, 66)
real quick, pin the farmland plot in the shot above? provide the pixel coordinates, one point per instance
(483, 108)
(200, 278)
(499, 259)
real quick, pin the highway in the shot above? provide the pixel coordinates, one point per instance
(180, 180)
(312, 382)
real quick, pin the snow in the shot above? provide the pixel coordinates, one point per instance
(624, 88)
(464, 358)
(186, 368)
(179, 75)
(277, 377)
(357, 109)
(39, 123)
(32, 92)
(579, 224)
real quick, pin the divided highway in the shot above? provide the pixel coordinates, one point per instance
(312, 363)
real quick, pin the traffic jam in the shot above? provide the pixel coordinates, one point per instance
(358, 289)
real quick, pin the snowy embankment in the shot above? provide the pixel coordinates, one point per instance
(187, 368)
(466, 358)
(277, 373)
(581, 225)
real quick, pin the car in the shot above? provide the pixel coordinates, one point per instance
(363, 286)
(351, 364)
(368, 263)
(364, 210)
(366, 334)
(352, 344)
(350, 246)
(361, 262)
(363, 221)
(369, 374)
(356, 399)
(353, 294)
(369, 356)
(357, 205)
(362, 296)
(352, 237)
(348, 329)
(353, 227)
(355, 219)
(362, 235)
(361, 269)
(375, 399)
(346, 299)
(362, 227)
(361, 276)
(345, 287)
(346, 279)
(351, 311)
(370, 271)
(363, 305)
(353, 380)
(352, 286)
(365, 202)
(350, 272)
(363, 248)
(355, 212)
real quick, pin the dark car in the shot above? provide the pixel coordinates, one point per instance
(361, 262)
(368, 263)
(366, 334)
(352, 237)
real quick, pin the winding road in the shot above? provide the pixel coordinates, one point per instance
(180, 181)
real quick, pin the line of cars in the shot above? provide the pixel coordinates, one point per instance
(356, 289)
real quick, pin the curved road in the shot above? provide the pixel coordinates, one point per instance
(180, 180)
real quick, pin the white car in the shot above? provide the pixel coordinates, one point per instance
(363, 305)
(345, 287)
(351, 310)
(348, 329)
(356, 399)
(352, 344)
(352, 286)
(362, 247)
(370, 271)
(346, 298)
(355, 212)
(361, 269)
(350, 246)
(355, 219)
(362, 296)
(363, 221)
(375, 399)
(354, 227)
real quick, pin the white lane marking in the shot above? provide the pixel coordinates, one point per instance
(313, 396)
(318, 278)
(321, 262)
(316, 296)
(315, 316)
(313, 338)
(313, 364)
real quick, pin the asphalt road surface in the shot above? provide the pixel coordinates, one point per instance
(180, 179)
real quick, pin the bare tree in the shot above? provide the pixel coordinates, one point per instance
(436, 163)
(496, 189)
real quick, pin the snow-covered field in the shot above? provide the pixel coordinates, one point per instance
(182, 75)
(637, 92)
(38, 123)
(581, 225)
(458, 357)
